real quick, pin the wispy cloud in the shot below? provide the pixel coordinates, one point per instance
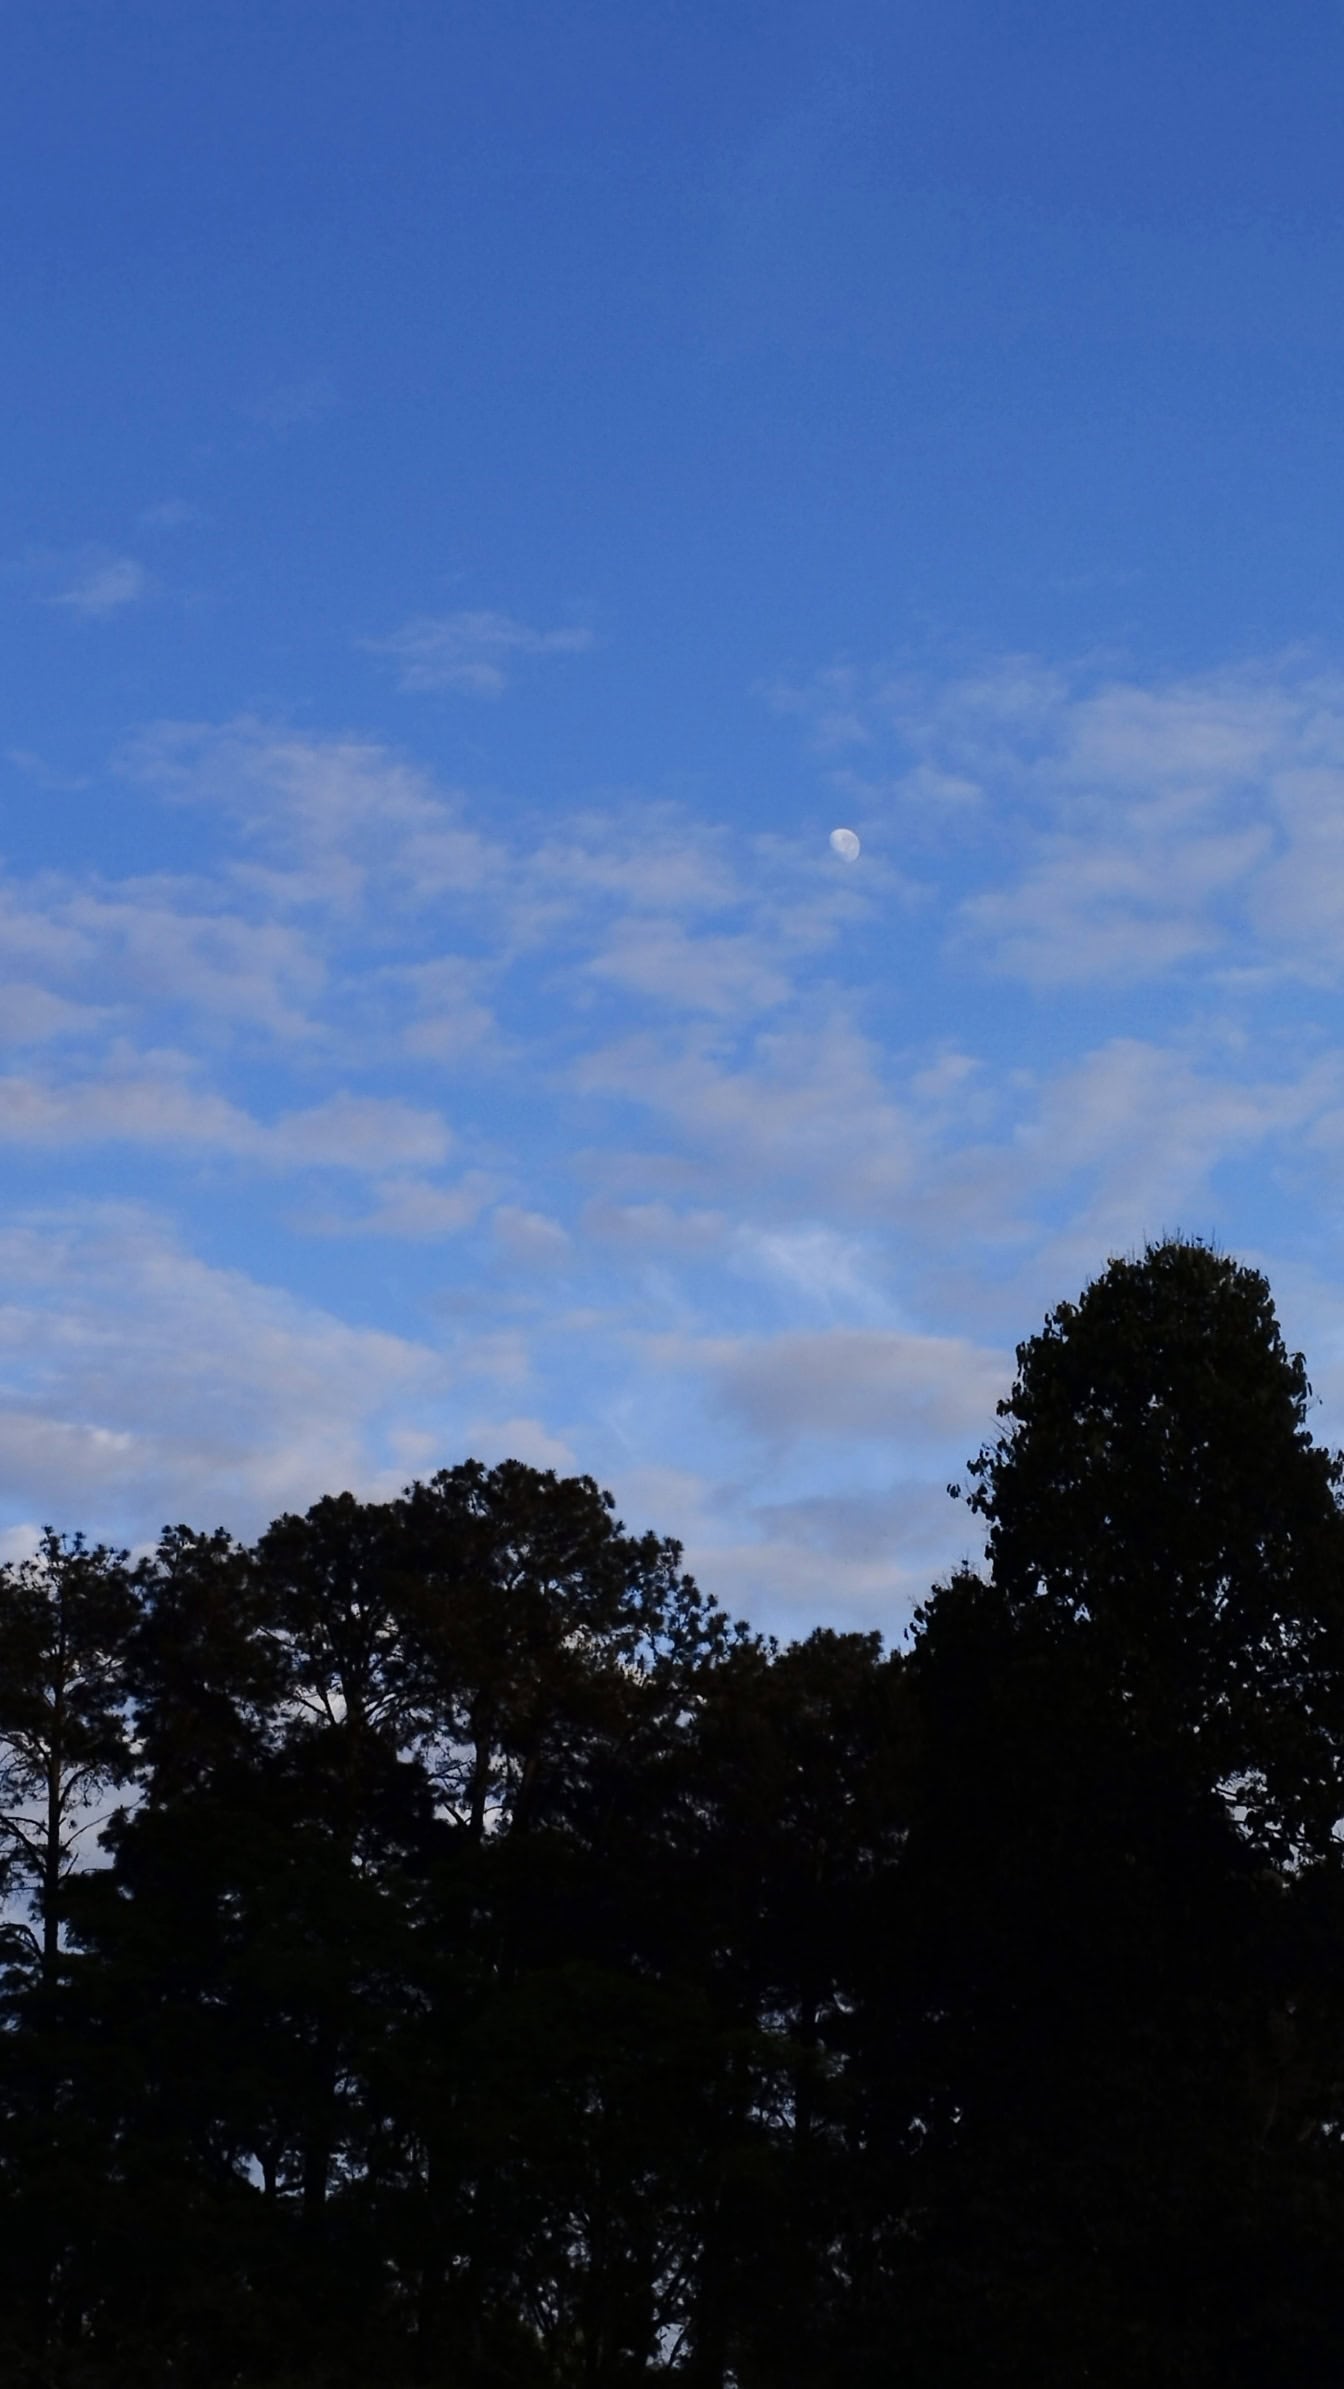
(856, 1383)
(659, 960)
(104, 587)
(529, 1239)
(287, 405)
(755, 1170)
(413, 1210)
(139, 1381)
(802, 1116)
(1120, 830)
(472, 652)
(33, 1015)
(36, 768)
(335, 817)
(170, 514)
(525, 1439)
(154, 1100)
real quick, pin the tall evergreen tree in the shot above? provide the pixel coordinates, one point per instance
(1156, 1481)
(65, 1615)
(1131, 1777)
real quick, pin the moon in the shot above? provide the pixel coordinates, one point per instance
(846, 845)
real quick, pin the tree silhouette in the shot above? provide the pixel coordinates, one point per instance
(64, 1616)
(501, 1968)
(1157, 1482)
(1131, 1781)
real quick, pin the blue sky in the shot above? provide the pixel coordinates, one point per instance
(486, 491)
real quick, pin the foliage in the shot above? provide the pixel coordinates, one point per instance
(503, 1970)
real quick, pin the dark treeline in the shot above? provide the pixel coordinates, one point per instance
(443, 1948)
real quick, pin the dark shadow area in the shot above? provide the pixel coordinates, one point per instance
(501, 1969)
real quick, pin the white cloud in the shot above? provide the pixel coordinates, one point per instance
(1135, 908)
(36, 768)
(1296, 901)
(152, 1100)
(658, 1228)
(103, 588)
(34, 935)
(154, 946)
(615, 898)
(450, 1020)
(357, 1132)
(19, 1542)
(170, 514)
(800, 1109)
(803, 1115)
(342, 817)
(32, 1015)
(682, 973)
(525, 1439)
(530, 1239)
(854, 1383)
(1119, 830)
(814, 1263)
(908, 1519)
(798, 1587)
(470, 651)
(834, 1173)
(852, 1557)
(650, 857)
(151, 945)
(138, 1384)
(1199, 735)
(832, 703)
(856, 1558)
(1311, 1311)
(158, 1107)
(413, 1210)
(287, 405)
(1147, 1129)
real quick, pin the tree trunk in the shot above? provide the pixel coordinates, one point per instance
(51, 1873)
